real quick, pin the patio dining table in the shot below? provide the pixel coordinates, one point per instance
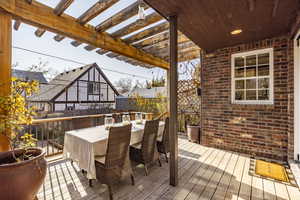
(83, 145)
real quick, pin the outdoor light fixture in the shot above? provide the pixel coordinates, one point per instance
(235, 32)
(141, 12)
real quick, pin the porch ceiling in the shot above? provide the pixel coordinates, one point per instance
(209, 23)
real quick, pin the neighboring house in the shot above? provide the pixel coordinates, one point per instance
(83, 88)
(146, 92)
(29, 76)
(124, 101)
(188, 96)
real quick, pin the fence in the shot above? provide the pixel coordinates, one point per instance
(50, 132)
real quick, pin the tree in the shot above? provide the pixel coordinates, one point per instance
(17, 113)
(148, 84)
(124, 85)
(138, 84)
(158, 82)
(42, 66)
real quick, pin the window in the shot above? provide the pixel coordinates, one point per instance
(70, 108)
(93, 88)
(252, 77)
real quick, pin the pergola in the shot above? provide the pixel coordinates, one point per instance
(151, 47)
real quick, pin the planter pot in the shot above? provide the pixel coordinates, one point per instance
(22, 180)
(193, 133)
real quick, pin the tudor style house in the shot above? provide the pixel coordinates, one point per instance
(83, 88)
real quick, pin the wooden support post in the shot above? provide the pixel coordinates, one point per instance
(172, 90)
(5, 64)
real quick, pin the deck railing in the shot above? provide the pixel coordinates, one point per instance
(50, 132)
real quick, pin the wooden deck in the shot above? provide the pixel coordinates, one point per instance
(205, 173)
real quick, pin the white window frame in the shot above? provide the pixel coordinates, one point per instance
(96, 88)
(271, 76)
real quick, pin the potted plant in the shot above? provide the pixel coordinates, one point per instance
(193, 128)
(23, 168)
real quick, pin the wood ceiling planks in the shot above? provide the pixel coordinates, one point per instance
(209, 23)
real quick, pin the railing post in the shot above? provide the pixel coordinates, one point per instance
(172, 76)
(5, 66)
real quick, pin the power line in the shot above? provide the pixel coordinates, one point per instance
(77, 62)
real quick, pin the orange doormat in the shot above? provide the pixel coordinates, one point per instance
(271, 170)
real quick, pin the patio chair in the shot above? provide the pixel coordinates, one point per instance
(146, 151)
(115, 165)
(163, 144)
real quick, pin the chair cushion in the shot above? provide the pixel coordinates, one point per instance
(137, 145)
(100, 159)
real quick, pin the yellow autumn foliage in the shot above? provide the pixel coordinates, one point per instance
(15, 112)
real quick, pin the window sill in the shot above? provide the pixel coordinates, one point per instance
(254, 106)
(270, 103)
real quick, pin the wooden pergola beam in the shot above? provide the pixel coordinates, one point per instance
(90, 48)
(95, 10)
(147, 33)
(163, 48)
(101, 51)
(112, 55)
(135, 26)
(62, 6)
(182, 48)
(42, 16)
(189, 55)
(186, 49)
(5, 66)
(118, 18)
(157, 39)
(58, 10)
(17, 25)
(153, 40)
(91, 13)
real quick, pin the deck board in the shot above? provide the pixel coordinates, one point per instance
(164, 190)
(204, 173)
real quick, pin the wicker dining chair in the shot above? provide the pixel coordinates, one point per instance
(115, 165)
(146, 151)
(163, 144)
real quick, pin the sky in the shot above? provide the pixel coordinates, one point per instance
(25, 38)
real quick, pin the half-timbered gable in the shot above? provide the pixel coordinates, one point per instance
(83, 88)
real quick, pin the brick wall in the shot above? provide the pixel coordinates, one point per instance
(290, 152)
(260, 130)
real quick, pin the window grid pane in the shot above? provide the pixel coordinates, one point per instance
(252, 77)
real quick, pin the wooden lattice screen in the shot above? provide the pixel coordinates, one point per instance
(189, 94)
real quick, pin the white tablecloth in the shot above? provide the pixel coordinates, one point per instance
(83, 145)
